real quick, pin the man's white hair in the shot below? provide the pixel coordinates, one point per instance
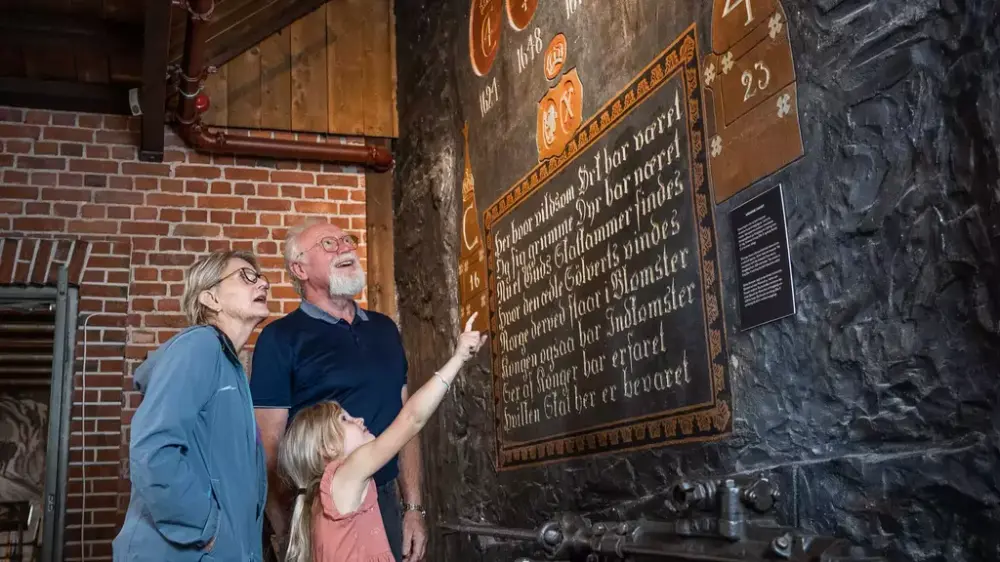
(293, 249)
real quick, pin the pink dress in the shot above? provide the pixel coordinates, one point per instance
(358, 536)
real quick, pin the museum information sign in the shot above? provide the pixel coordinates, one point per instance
(605, 305)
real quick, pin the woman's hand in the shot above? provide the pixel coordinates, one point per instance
(469, 342)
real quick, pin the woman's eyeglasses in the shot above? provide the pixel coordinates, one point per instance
(249, 276)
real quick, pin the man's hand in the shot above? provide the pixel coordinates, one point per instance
(414, 537)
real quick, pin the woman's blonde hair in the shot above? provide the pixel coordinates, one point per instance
(202, 275)
(312, 441)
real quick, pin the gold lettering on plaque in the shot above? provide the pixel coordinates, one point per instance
(555, 56)
(560, 113)
(751, 92)
(484, 34)
(471, 259)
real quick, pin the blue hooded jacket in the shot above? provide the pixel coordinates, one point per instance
(196, 462)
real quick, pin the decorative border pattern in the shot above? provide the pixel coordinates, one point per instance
(705, 423)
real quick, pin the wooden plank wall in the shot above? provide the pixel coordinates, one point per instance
(333, 71)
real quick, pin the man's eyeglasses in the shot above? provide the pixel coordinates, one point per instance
(249, 275)
(332, 244)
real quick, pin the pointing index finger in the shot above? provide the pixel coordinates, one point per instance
(468, 323)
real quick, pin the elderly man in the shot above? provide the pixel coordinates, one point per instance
(332, 349)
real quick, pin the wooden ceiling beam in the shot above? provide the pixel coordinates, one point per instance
(64, 96)
(154, 79)
(31, 30)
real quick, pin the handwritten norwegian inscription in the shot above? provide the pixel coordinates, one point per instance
(597, 284)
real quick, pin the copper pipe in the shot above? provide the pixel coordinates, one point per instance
(219, 141)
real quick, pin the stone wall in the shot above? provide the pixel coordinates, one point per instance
(875, 405)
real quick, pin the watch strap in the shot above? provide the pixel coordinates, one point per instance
(414, 507)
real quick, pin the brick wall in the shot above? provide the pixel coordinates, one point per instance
(77, 176)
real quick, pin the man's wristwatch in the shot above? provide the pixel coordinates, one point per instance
(414, 507)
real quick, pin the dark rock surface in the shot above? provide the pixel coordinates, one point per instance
(878, 399)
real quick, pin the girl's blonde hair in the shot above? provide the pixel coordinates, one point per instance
(312, 441)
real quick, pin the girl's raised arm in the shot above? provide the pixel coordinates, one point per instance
(369, 458)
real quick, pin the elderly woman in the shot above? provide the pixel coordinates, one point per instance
(197, 466)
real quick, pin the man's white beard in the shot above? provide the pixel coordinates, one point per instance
(343, 284)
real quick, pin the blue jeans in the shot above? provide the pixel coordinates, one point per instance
(392, 517)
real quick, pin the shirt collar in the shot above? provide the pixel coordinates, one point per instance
(320, 314)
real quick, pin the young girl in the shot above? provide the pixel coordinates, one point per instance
(329, 458)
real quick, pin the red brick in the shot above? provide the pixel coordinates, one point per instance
(245, 218)
(316, 207)
(352, 209)
(71, 180)
(315, 192)
(93, 227)
(292, 177)
(203, 172)
(255, 204)
(18, 192)
(196, 158)
(193, 215)
(119, 212)
(337, 194)
(89, 121)
(68, 134)
(120, 182)
(358, 195)
(64, 119)
(37, 208)
(120, 197)
(291, 191)
(173, 156)
(149, 289)
(220, 202)
(35, 163)
(144, 213)
(39, 224)
(15, 176)
(196, 186)
(6, 160)
(146, 228)
(221, 188)
(69, 149)
(145, 274)
(94, 166)
(95, 180)
(18, 147)
(145, 169)
(124, 152)
(10, 207)
(171, 215)
(265, 248)
(221, 217)
(11, 115)
(169, 245)
(116, 123)
(197, 230)
(270, 219)
(66, 210)
(44, 178)
(346, 180)
(249, 174)
(268, 190)
(19, 131)
(93, 211)
(244, 188)
(38, 117)
(146, 184)
(169, 200)
(250, 232)
(117, 137)
(60, 194)
(191, 245)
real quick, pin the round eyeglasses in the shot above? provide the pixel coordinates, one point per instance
(333, 244)
(249, 276)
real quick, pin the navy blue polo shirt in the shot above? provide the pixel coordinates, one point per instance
(309, 357)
